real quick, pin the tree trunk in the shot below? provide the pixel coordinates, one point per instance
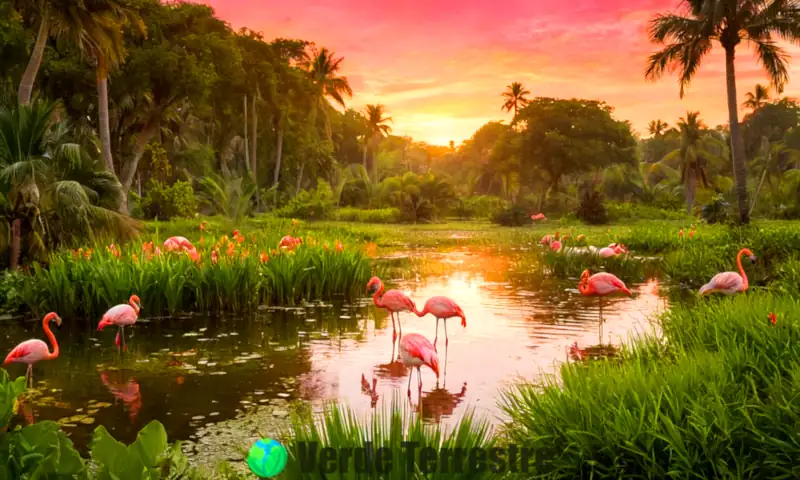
(691, 189)
(758, 190)
(246, 143)
(102, 115)
(299, 179)
(130, 167)
(278, 154)
(254, 145)
(364, 156)
(375, 159)
(737, 143)
(16, 241)
(29, 77)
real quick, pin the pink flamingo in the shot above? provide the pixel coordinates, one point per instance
(173, 244)
(372, 391)
(600, 285)
(121, 315)
(537, 217)
(289, 242)
(730, 283)
(612, 250)
(416, 351)
(32, 351)
(442, 308)
(394, 301)
(127, 392)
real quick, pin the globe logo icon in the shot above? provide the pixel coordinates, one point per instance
(267, 458)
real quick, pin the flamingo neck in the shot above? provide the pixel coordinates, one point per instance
(51, 337)
(583, 287)
(741, 270)
(377, 297)
(134, 306)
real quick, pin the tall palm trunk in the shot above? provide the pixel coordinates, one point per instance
(254, 145)
(102, 114)
(278, 153)
(299, 179)
(737, 143)
(691, 189)
(364, 154)
(128, 171)
(29, 77)
(374, 142)
(16, 242)
(246, 143)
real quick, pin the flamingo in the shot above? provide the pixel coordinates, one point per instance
(600, 285)
(128, 392)
(442, 308)
(730, 283)
(173, 244)
(394, 301)
(32, 351)
(416, 351)
(612, 250)
(538, 216)
(555, 246)
(121, 315)
(289, 242)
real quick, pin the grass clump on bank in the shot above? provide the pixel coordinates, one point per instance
(716, 400)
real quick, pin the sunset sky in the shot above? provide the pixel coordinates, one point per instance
(439, 66)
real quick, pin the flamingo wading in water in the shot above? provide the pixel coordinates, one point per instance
(121, 316)
(730, 283)
(600, 285)
(416, 351)
(32, 351)
(394, 301)
(442, 308)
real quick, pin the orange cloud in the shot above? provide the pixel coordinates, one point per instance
(439, 66)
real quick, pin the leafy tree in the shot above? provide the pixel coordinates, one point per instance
(565, 137)
(323, 67)
(688, 37)
(657, 128)
(757, 98)
(515, 98)
(377, 127)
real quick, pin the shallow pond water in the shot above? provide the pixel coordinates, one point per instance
(192, 371)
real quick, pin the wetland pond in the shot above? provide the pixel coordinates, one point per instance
(195, 373)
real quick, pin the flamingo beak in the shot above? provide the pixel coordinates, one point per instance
(753, 258)
(58, 321)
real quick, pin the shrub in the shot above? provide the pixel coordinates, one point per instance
(313, 204)
(165, 202)
(715, 211)
(481, 206)
(637, 211)
(513, 216)
(355, 193)
(592, 210)
(379, 215)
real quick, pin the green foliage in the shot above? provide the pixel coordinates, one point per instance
(314, 204)
(636, 211)
(340, 427)
(421, 198)
(40, 450)
(11, 284)
(592, 209)
(513, 216)
(9, 391)
(715, 211)
(379, 215)
(166, 202)
(723, 385)
(480, 206)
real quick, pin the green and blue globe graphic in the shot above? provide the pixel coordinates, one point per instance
(267, 458)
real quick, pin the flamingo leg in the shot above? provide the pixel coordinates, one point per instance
(601, 320)
(400, 326)
(411, 374)
(419, 383)
(29, 376)
(124, 347)
(436, 338)
(394, 327)
(446, 338)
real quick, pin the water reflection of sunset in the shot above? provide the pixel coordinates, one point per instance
(513, 329)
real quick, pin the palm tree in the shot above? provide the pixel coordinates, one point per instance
(323, 68)
(376, 128)
(692, 157)
(515, 98)
(657, 128)
(688, 37)
(49, 187)
(757, 98)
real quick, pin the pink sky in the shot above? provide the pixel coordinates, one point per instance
(439, 66)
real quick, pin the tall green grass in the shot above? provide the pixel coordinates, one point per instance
(76, 286)
(391, 428)
(720, 398)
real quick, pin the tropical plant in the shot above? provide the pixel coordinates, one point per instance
(227, 195)
(657, 128)
(51, 191)
(377, 127)
(323, 67)
(688, 37)
(757, 98)
(515, 98)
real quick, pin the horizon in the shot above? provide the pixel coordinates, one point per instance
(447, 93)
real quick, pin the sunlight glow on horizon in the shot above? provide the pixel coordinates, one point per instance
(440, 66)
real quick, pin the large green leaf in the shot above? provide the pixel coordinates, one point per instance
(115, 461)
(151, 443)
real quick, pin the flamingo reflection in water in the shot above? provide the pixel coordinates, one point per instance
(128, 392)
(395, 368)
(370, 391)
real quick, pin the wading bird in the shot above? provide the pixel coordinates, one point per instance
(32, 351)
(121, 316)
(174, 244)
(394, 301)
(538, 216)
(729, 283)
(416, 351)
(442, 308)
(600, 285)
